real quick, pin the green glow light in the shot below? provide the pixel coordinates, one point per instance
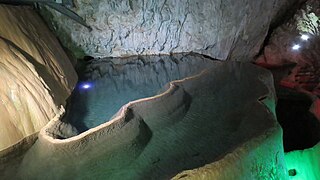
(304, 164)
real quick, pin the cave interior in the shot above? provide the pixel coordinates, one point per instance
(168, 89)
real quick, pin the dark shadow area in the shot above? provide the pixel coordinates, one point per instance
(301, 130)
(77, 119)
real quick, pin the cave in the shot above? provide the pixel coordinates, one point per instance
(170, 89)
(301, 128)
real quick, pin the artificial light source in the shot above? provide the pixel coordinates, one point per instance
(296, 47)
(86, 86)
(304, 37)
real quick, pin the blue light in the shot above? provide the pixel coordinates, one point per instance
(86, 86)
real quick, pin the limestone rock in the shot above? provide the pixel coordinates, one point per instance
(198, 120)
(35, 74)
(279, 50)
(304, 77)
(220, 29)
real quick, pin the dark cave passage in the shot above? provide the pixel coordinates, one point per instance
(301, 130)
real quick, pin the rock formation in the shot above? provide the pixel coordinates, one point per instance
(302, 78)
(279, 50)
(194, 121)
(220, 29)
(212, 122)
(36, 76)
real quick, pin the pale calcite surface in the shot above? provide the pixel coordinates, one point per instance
(36, 76)
(260, 158)
(196, 121)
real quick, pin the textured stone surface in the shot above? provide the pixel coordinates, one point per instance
(35, 74)
(308, 18)
(220, 29)
(278, 50)
(305, 76)
(258, 159)
(195, 121)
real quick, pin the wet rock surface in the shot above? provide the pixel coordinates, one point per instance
(220, 29)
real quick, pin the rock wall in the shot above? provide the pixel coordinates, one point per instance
(36, 76)
(305, 75)
(220, 29)
(278, 50)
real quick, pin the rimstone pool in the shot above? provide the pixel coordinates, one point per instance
(110, 83)
(154, 117)
(143, 115)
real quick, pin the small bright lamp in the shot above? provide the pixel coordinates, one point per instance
(304, 37)
(296, 47)
(86, 86)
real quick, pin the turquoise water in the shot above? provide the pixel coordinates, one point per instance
(156, 142)
(115, 82)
